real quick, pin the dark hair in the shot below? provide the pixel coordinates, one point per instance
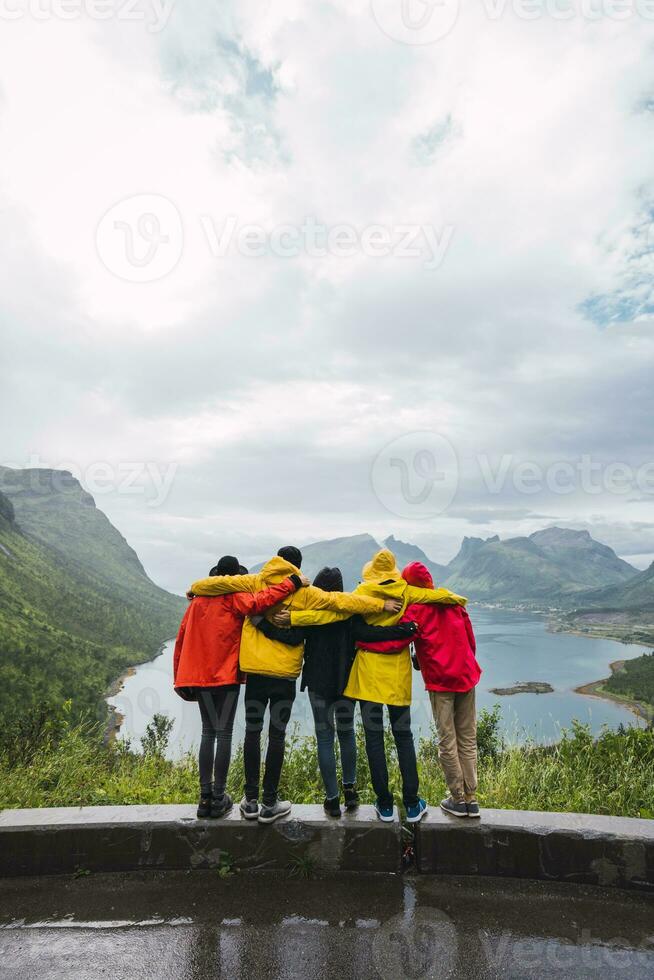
(242, 570)
(227, 565)
(329, 580)
(292, 554)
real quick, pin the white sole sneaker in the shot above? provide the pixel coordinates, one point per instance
(273, 816)
(248, 816)
(419, 817)
(453, 813)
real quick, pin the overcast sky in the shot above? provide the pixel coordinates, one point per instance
(281, 271)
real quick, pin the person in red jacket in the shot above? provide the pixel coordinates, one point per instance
(206, 670)
(445, 649)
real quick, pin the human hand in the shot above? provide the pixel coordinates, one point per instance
(392, 605)
(304, 580)
(281, 618)
(190, 595)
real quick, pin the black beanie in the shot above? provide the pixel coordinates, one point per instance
(329, 580)
(292, 554)
(227, 565)
(242, 570)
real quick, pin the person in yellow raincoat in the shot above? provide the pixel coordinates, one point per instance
(378, 679)
(272, 668)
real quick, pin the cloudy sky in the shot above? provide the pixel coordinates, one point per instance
(282, 271)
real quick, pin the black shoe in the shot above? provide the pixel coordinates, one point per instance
(351, 796)
(473, 809)
(332, 807)
(204, 807)
(453, 808)
(220, 806)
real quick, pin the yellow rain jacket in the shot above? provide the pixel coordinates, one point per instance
(259, 655)
(381, 677)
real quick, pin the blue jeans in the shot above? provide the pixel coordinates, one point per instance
(334, 716)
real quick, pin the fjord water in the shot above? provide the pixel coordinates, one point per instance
(511, 647)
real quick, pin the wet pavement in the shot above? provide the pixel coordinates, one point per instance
(192, 925)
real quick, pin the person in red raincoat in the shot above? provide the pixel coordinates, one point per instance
(206, 670)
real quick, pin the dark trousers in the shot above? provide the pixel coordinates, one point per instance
(372, 715)
(334, 716)
(217, 708)
(277, 693)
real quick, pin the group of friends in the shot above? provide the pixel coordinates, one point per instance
(265, 629)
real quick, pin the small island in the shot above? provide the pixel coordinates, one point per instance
(524, 687)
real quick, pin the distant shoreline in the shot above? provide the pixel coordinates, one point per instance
(596, 689)
(115, 719)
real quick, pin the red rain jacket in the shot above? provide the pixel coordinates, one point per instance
(209, 638)
(445, 643)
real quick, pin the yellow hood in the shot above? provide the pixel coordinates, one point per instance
(381, 567)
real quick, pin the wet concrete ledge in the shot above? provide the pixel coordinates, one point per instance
(568, 847)
(574, 847)
(126, 838)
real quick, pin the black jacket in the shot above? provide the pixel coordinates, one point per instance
(329, 651)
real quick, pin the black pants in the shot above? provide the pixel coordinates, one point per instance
(260, 692)
(373, 724)
(217, 708)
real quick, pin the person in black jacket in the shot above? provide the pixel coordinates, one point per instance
(329, 653)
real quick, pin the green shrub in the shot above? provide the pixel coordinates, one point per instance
(66, 764)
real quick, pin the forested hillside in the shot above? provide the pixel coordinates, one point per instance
(76, 607)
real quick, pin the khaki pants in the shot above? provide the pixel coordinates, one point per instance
(456, 723)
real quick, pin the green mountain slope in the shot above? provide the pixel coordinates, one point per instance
(76, 607)
(546, 566)
(636, 593)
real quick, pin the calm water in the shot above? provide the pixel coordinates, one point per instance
(511, 647)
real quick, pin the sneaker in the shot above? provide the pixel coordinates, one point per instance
(351, 796)
(455, 809)
(204, 807)
(332, 807)
(417, 812)
(270, 813)
(220, 806)
(384, 813)
(473, 808)
(249, 808)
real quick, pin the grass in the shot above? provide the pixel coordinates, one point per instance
(65, 764)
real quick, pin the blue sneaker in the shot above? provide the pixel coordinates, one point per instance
(384, 813)
(417, 812)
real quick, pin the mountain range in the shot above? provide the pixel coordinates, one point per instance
(554, 567)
